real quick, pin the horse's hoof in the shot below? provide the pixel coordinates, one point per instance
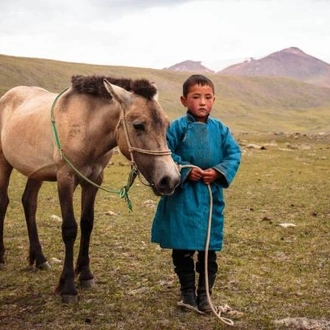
(44, 266)
(86, 284)
(69, 299)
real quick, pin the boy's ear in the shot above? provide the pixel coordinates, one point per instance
(183, 101)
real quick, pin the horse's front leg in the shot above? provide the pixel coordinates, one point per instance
(29, 201)
(86, 224)
(66, 287)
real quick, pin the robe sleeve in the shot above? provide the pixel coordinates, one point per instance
(231, 159)
(174, 135)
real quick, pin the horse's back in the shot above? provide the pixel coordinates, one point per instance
(16, 97)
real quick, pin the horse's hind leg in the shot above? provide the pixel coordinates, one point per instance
(30, 201)
(88, 195)
(5, 171)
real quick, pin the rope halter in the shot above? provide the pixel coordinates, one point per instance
(131, 149)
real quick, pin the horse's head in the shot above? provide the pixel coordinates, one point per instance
(141, 134)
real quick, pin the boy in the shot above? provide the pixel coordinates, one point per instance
(208, 155)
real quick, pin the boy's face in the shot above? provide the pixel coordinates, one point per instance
(199, 101)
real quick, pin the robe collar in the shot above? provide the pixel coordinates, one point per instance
(193, 119)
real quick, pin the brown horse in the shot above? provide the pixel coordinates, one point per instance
(89, 119)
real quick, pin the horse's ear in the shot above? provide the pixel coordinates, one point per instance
(119, 94)
(156, 95)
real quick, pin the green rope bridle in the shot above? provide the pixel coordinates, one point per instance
(123, 192)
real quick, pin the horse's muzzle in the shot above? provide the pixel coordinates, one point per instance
(165, 186)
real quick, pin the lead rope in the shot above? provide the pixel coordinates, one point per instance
(217, 310)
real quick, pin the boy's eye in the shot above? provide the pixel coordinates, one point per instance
(207, 97)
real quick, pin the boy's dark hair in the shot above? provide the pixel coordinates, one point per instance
(196, 79)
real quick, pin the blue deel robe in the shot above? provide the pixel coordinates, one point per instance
(181, 219)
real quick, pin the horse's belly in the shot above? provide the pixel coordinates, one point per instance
(31, 165)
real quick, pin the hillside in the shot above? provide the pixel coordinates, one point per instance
(290, 62)
(250, 104)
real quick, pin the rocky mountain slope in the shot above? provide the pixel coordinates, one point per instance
(290, 62)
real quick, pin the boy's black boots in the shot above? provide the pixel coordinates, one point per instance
(212, 269)
(185, 269)
(188, 290)
(202, 300)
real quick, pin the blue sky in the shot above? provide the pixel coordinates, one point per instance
(157, 34)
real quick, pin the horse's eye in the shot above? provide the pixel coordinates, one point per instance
(138, 126)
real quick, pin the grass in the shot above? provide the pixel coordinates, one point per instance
(266, 271)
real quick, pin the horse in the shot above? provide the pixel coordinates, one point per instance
(69, 138)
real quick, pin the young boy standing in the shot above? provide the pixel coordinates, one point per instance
(208, 155)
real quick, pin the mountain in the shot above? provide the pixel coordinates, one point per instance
(189, 66)
(290, 62)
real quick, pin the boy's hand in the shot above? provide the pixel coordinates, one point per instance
(195, 174)
(210, 175)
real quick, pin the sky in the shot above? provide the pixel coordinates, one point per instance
(158, 34)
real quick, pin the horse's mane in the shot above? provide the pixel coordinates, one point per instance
(94, 85)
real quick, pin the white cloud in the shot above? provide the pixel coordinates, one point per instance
(159, 34)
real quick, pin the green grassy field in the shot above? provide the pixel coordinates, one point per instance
(267, 271)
